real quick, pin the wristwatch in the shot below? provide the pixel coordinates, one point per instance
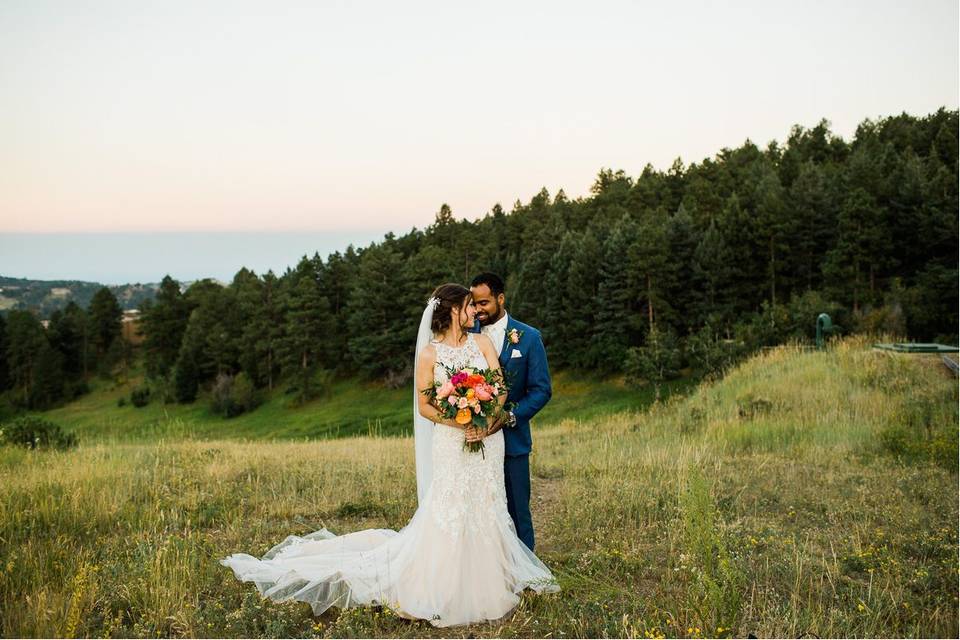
(512, 420)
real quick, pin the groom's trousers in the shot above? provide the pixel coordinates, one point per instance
(516, 473)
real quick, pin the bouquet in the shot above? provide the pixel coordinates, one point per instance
(469, 396)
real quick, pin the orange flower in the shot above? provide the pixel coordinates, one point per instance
(474, 380)
(470, 394)
(464, 416)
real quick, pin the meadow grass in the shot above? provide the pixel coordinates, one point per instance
(805, 494)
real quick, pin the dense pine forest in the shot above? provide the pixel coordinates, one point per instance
(691, 268)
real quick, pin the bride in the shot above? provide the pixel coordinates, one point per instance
(459, 559)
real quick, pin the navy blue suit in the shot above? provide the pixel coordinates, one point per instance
(530, 389)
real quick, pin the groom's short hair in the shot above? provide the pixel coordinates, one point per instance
(492, 280)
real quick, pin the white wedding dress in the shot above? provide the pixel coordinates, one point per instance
(457, 561)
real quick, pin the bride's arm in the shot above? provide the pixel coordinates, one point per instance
(425, 362)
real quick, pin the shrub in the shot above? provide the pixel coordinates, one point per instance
(122, 401)
(186, 380)
(75, 388)
(924, 430)
(658, 360)
(751, 406)
(712, 354)
(233, 395)
(140, 396)
(33, 432)
(164, 389)
(885, 319)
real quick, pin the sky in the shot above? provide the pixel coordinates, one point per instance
(358, 118)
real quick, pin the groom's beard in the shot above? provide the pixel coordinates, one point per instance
(490, 319)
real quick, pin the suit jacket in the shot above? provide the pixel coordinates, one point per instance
(525, 368)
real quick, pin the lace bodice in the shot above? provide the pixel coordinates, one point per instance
(469, 355)
(465, 485)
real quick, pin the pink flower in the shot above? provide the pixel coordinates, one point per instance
(514, 336)
(463, 403)
(459, 378)
(445, 389)
(484, 392)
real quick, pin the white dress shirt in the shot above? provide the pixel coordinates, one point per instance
(496, 332)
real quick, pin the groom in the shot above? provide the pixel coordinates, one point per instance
(524, 362)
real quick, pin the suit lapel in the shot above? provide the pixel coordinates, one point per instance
(504, 358)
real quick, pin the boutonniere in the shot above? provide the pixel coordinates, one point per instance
(514, 336)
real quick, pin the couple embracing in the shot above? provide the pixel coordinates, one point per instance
(467, 552)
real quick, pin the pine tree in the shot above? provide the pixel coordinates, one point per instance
(861, 245)
(383, 316)
(810, 205)
(616, 322)
(26, 345)
(186, 378)
(163, 323)
(271, 335)
(712, 271)
(48, 382)
(66, 333)
(106, 322)
(308, 323)
(224, 328)
(529, 298)
(772, 226)
(5, 381)
(580, 299)
(555, 318)
(679, 285)
(248, 294)
(651, 274)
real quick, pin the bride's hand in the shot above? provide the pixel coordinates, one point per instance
(475, 434)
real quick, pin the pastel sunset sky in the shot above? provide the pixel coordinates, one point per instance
(336, 116)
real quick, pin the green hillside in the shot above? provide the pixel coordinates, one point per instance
(348, 408)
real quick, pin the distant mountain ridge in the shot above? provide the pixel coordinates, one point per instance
(46, 296)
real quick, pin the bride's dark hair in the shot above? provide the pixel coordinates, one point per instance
(450, 295)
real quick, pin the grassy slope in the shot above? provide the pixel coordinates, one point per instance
(761, 504)
(348, 408)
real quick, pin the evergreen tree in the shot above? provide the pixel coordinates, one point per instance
(861, 244)
(555, 322)
(163, 323)
(616, 325)
(650, 272)
(529, 298)
(106, 321)
(679, 284)
(5, 381)
(186, 378)
(308, 324)
(712, 269)
(772, 225)
(48, 383)
(810, 204)
(27, 355)
(581, 299)
(383, 316)
(248, 295)
(66, 333)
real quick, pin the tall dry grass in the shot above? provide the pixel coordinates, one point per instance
(807, 493)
